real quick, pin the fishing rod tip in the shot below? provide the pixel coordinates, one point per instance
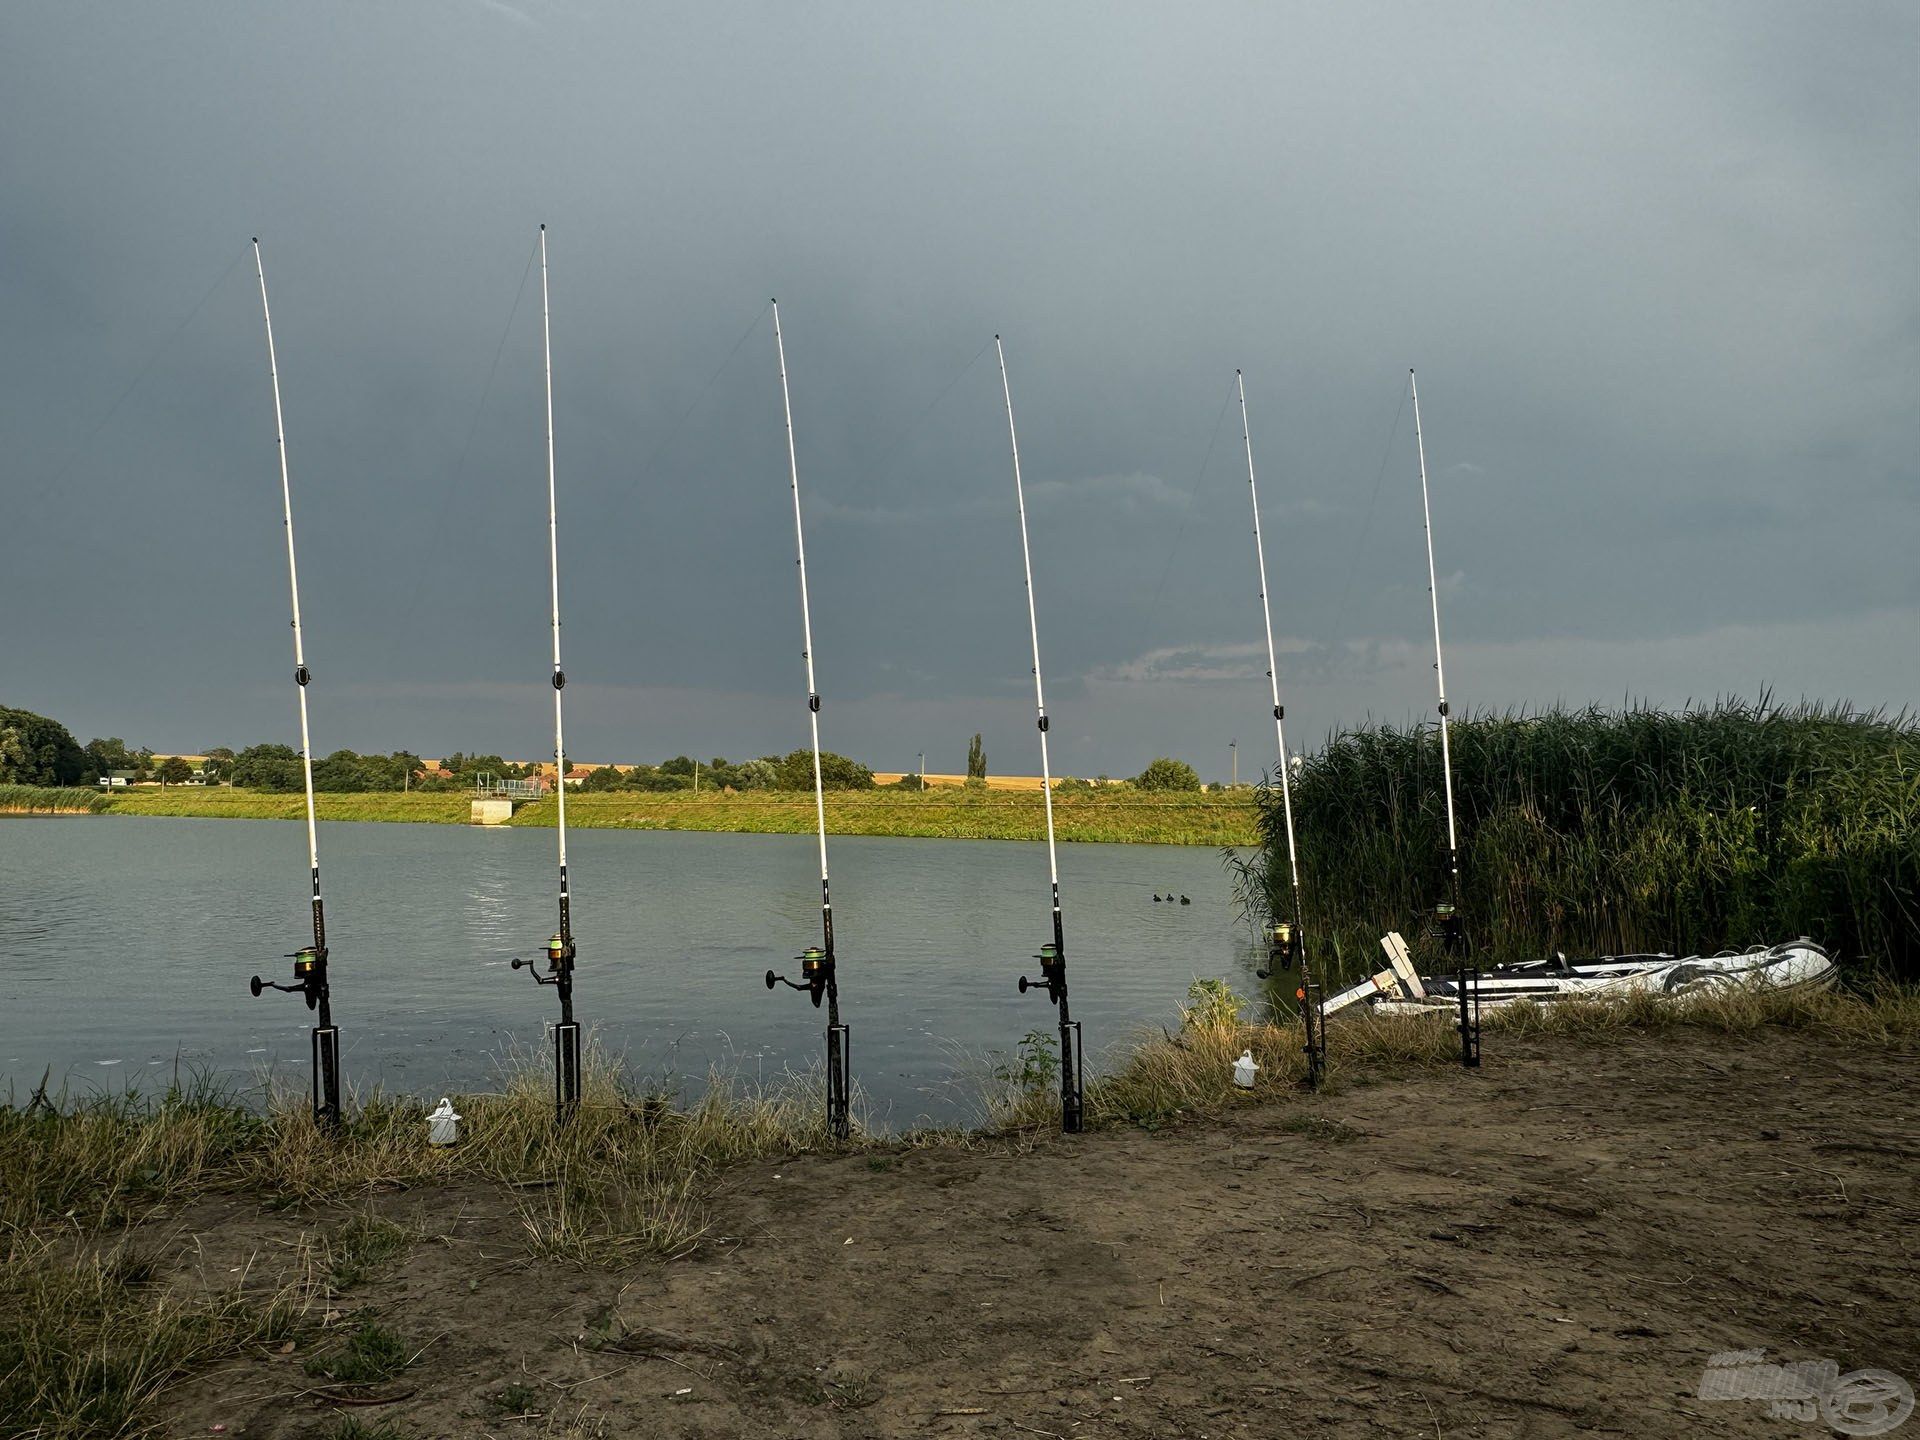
(256, 239)
(1236, 370)
(543, 226)
(996, 339)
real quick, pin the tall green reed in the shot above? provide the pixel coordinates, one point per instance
(1588, 831)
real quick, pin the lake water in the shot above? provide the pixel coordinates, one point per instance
(126, 944)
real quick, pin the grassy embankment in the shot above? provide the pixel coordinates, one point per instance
(1116, 815)
(1593, 833)
(98, 1313)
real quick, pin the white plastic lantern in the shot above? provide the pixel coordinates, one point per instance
(443, 1126)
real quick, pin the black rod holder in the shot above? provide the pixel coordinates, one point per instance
(1313, 1016)
(1286, 948)
(839, 1079)
(1053, 980)
(310, 983)
(1467, 983)
(817, 981)
(566, 1070)
(566, 1034)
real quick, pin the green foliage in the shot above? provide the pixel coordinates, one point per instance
(515, 1399)
(37, 751)
(174, 770)
(1607, 833)
(1168, 774)
(1210, 1003)
(757, 775)
(1037, 1066)
(976, 759)
(837, 772)
(268, 767)
(365, 1244)
(369, 1354)
(103, 757)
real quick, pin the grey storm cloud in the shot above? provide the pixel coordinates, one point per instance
(1655, 264)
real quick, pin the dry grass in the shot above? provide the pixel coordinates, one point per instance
(89, 1334)
(1190, 1071)
(91, 1331)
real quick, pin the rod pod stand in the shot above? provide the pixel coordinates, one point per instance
(818, 983)
(1053, 979)
(566, 1034)
(310, 982)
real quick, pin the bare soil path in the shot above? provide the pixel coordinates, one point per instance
(1556, 1245)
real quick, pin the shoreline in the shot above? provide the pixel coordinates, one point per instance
(1546, 1251)
(1108, 818)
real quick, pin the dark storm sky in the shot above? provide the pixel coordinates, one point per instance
(1658, 267)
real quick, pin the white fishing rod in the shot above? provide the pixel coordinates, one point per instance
(817, 976)
(560, 948)
(309, 962)
(1448, 913)
(1052, 958)
(1285, 942)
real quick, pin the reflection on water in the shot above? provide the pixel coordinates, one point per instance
(125, 947)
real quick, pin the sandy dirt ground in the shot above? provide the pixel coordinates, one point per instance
(1556, 1245)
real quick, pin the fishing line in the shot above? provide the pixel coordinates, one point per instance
(1186, 515)
(126, 394)
(673, 431)
(1386, 454)
(473, 428)
(912, 429)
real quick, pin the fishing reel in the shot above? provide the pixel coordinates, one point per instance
(559, 961)
(1053, 973)
(1283, 950)
(309, 973)
(1445, 927)
(816, 966)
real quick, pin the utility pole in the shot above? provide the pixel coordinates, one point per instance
(923, 772)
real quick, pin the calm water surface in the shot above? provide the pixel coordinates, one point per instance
(126, 944)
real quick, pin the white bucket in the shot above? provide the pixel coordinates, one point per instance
(1244, 1070)
(443, 1126)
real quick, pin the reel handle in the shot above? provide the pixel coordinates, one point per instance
(532, 970)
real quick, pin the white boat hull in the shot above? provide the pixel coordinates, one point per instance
(1796, 965)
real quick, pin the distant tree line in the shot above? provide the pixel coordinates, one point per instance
(792, 771)
(35, 750)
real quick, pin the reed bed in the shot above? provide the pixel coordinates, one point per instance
(1594, 832)
(52, 800)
